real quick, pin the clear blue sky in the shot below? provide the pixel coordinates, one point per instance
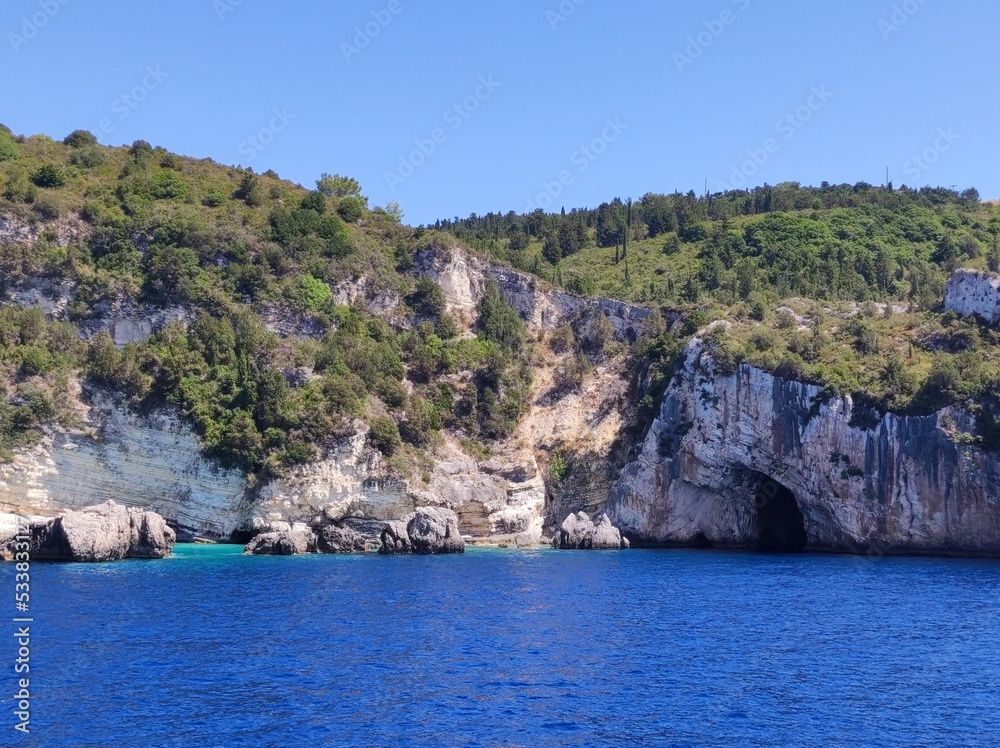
(228, 65)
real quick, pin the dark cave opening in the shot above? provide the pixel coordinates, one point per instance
(779, 520)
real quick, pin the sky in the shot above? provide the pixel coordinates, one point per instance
(452, 108)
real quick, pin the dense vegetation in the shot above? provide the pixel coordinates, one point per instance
(839, 285)
(231, 245)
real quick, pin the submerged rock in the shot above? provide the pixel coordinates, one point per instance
(106, 532)
(578, 532)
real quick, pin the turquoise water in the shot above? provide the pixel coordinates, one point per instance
(652, 648)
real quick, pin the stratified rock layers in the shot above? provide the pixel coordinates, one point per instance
(726, 450)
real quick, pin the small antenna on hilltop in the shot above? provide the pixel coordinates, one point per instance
(887, 176)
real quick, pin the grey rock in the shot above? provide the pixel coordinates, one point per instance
(282, 543)
(106, 532)
(579, 532)
(435, 530)
(395, 538)
(516, 469)
(340, 540)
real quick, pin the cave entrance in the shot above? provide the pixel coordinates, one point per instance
(780, 523)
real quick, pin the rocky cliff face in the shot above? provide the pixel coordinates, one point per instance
(153, 461)
(753, 460)
(463, 278)
(970, 292)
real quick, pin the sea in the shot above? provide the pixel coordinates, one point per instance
(500, 647)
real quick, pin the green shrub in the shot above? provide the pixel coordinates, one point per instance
(80, 139)
(315, 201)
(352, 209)
(8, 150)
(498, 321)
(427, 299)
(46, 208)
(383, 434)
(309, 294)
(48, 176)
(249, 190)
(88, 157)
(169, 185)
(214, 198)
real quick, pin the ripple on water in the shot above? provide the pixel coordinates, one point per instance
(652, 648)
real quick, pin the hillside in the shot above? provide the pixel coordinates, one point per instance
(838, 285)
(238, 350)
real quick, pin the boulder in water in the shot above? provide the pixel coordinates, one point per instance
(106, 532)
(579, 532)
(282, 543)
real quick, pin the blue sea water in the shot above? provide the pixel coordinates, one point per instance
(650, 648)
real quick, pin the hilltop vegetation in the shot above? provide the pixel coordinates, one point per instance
(229, 244)
(836, 285)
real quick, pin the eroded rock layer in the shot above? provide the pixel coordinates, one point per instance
(752, 460)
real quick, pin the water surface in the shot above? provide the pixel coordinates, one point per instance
(652, 648)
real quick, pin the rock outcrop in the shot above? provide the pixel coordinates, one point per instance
(429, 530)
(464, 278)
(340, 540)
(579, 532)
(972, 292)
(107, 532)
(753, 460)
(282, 543)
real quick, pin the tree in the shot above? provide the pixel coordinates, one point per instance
(352, 209)
(79, 139)
(314, 201)
(610, 222)
(249, 190)
(499, 321)
(338, 186)
(394, 211)
(428, 299)
(48, 176)
(383, 434)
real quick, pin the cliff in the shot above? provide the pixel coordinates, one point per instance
(753, 460)
(154, 461)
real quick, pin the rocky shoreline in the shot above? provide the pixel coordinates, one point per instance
(112, 532)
